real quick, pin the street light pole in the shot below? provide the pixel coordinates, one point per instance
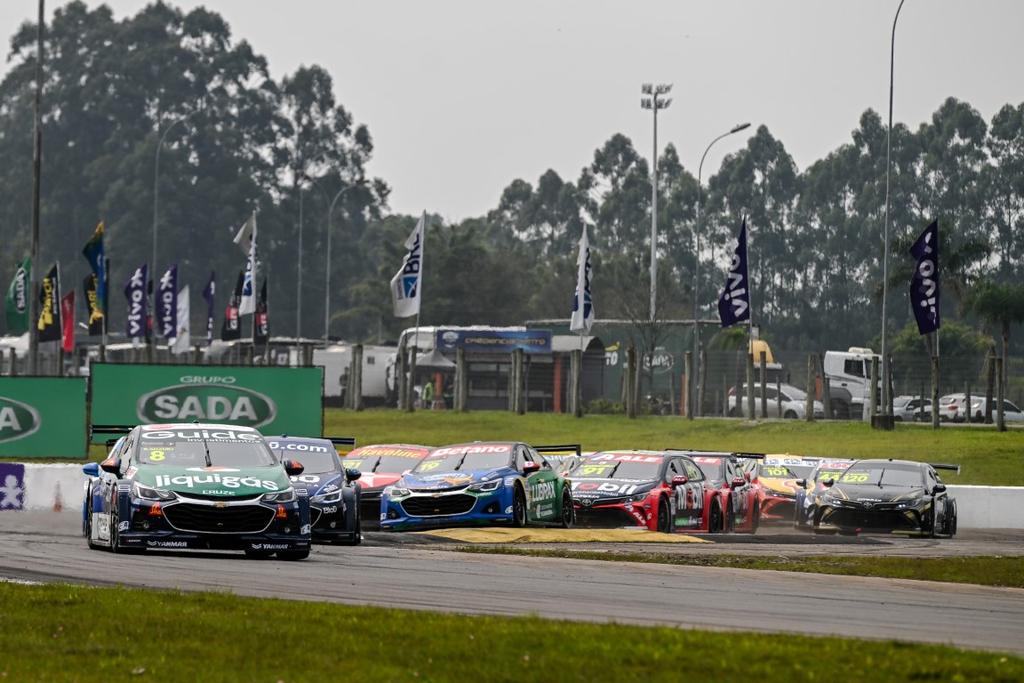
(654, 102)
(37, 166)
(156, 202)
(327, 272)
(885, 255)
(696, 263)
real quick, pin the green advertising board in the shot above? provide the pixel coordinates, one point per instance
(42, 417)
(272, 399)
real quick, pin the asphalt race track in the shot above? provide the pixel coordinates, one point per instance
(397, 571)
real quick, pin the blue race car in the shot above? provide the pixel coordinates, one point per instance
(333, 497)
(482, 484)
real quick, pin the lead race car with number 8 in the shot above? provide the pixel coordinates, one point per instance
(195, 486)
(480, 483)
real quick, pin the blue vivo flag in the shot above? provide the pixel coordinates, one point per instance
(734, 303)
(135, 292)
(208, 293)
(167, 303)
(924, 284)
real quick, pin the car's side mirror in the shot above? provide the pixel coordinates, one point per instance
(530, 467)
(939, 488)
(91, 469)
(679, 480)
(293, 468)
(352, 474)
(111, 465)
(828, 483)
(738, 481)
(802, 483)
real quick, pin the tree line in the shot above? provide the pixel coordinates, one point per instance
(245, 141)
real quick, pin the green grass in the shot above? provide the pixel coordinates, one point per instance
(76, 633)
(980, 570)
(986, 456)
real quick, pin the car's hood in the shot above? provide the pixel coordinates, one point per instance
(212, 481)
(871, 493)
(596, 490)
(778, 486)
(315, 484)
(374, 481)
(452, 479)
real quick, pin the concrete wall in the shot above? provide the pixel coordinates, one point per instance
(60, 487)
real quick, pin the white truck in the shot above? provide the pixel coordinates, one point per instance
(849, 377)
(378, 371)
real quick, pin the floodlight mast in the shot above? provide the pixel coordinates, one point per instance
(655, 102)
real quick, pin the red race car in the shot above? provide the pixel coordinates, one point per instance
(382, 465)
(659, 491)
(735, 494)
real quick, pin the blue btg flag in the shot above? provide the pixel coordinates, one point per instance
(924, 284)
(734, 303)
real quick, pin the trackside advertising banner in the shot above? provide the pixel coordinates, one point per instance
(42, 417)
(272, 399)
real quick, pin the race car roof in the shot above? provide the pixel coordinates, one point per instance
(196, 425)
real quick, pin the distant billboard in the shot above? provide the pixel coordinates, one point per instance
(494, 341)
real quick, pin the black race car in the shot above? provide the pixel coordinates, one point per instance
(333, 497)
(886, 496)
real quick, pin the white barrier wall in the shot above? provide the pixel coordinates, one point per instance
(60, 486)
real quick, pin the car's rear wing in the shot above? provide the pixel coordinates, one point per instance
(944, 466)
(342, 440)
(720, 454)
(560, 448)
(110, 429)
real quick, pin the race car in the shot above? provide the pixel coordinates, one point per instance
(197, 486)
(651, 489)
(334, 509)
(809, 488)
(887, 496)
(737, 497)
(479, 483)
(382, 465)
(775, 479)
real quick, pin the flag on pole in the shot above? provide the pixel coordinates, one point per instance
(208, 293)
(244, 235)
(407, 283)
(734, 302)
(924, 284)
(135, 292)
(247, 234)
(93, 312)
(582, 303)
(182, 335)
(16, 305)
(67, 313)
(231, 329)
(261, 331)
(167, 303)
(48, 325)
(94, 253)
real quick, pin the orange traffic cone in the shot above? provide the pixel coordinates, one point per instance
(58, 503)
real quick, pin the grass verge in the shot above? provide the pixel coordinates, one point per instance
(62, 632)
(986, 456)
(1007, 572)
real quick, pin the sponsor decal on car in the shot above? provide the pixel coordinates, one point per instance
(214, 399)
(190, 481)
(474, 448)
(17, 420)
(167, 544)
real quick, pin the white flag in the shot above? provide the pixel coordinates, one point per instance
(243, 238)
(582, 303)
(407, 284)
(183, 341)
(248, 233)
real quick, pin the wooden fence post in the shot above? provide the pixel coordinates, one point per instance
(809, 401)
(688, 381)
(1000, 395)
(764, 384)
(935, 392)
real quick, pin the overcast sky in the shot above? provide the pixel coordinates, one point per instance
(463, 96)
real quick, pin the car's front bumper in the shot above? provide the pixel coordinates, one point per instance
(610, 516)
(328, 523)
(882, 518)
(435, 509)
(777, 508)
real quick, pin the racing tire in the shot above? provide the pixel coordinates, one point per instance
(115, 536)
(729, 521)
(518, 507)
(715, 518)
(790, 415)
(664, 516)
(951, 526)
(292, 555)
(353, 520)
(87, 523)
(934, 532)
(568, 517)
(755, 518)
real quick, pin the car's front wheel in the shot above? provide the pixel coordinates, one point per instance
(790, 415)
(664, 516)
(568, 511)
(715, 518)
(518, 508)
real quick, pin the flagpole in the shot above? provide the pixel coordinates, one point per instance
(255, 257)
(419, 294)
(106, 308)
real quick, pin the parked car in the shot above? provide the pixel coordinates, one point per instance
(952, 409)
(911, 408)
(794, 402)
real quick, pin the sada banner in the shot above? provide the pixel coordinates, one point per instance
(272, 399)
(42, 417)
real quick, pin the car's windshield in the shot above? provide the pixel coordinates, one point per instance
(465, 458)
(830, 471)
(316, 455)
(384, 460)
(618, 466)
(882, 475)
(190, 448)
(794, 393)
(713, 468)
